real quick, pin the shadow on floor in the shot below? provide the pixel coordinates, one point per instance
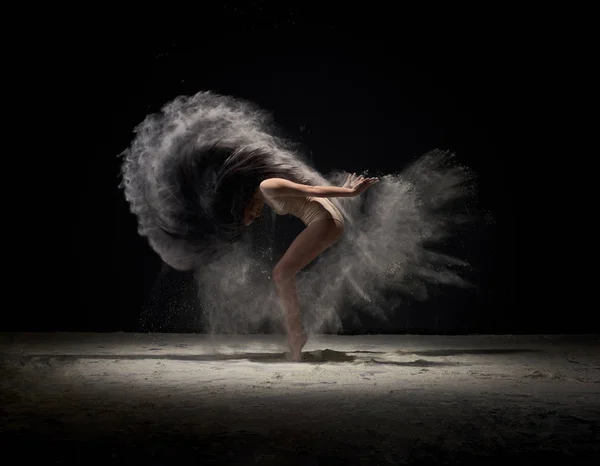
(457, 352)
(317, 356)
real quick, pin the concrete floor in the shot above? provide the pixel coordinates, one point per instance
(354, 400)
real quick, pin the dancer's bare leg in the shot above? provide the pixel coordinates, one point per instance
(313, 240)
(286, 289)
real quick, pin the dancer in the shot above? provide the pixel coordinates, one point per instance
(324, 226)
(198, 174)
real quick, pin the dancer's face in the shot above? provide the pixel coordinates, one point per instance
(253, 208)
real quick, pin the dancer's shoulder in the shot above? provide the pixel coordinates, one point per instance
(274, 187)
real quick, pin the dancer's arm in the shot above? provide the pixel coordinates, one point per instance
(277, 187)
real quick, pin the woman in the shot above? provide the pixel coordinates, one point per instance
(324, 226)
(198, 173)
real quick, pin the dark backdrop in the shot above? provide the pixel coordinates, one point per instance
(358, 94)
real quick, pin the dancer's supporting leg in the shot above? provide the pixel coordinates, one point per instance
(313, 240)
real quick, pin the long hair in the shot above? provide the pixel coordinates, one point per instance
(213, 185)
(192, 167)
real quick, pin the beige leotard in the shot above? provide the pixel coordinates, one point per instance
(308, 209)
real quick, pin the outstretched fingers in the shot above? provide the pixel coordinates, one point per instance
(359, 182)
(365, 183)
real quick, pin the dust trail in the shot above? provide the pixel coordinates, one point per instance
(392, 242)
(389, 235)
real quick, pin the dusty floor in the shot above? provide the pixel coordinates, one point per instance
(365, 400)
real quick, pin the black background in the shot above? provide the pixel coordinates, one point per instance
(359, 91)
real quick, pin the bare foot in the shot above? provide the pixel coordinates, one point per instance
(297, 342)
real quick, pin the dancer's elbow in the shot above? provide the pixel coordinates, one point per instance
(331, 191)
(276, 187)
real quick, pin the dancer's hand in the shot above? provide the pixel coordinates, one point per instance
(359, 184)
